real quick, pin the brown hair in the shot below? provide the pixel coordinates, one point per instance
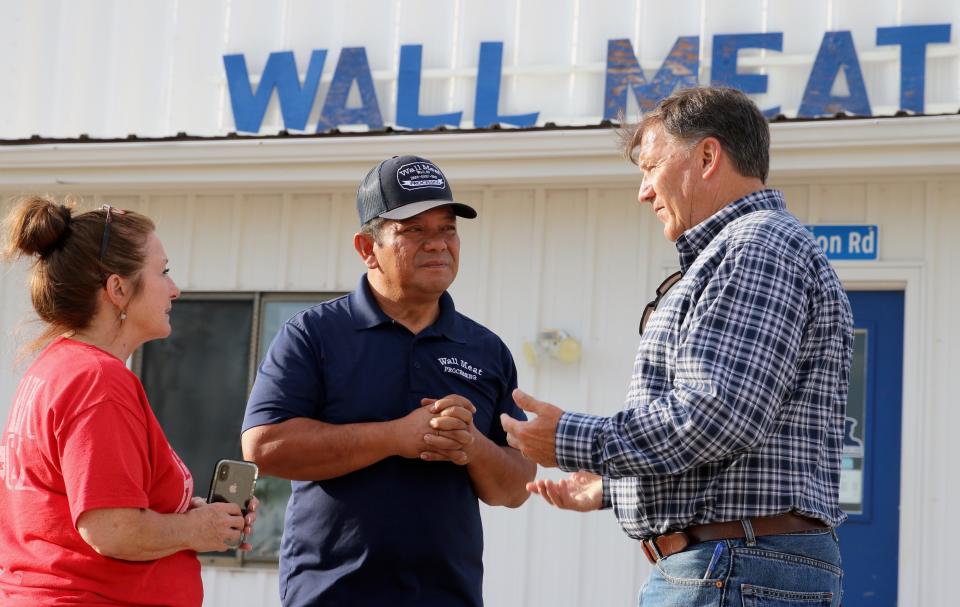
(691, 115)
(68, 272)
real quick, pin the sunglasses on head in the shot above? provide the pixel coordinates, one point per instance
(108, 219)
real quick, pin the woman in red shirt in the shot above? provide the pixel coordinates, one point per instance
(98, 509)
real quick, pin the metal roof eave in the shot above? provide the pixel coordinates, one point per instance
(925, 144)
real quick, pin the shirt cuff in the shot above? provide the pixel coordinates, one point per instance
(575, 442)
(606, 500)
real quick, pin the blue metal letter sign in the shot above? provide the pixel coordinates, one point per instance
(408, 94)
(679, 69)
(486, 102)
(351, 66)
(847, 242)
(913, 41)
(836, 53)
(726, 47)
(280, 73)
(624, 74)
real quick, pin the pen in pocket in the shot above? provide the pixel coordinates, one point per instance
(713, 561)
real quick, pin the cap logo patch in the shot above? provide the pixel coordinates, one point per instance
(419, 175)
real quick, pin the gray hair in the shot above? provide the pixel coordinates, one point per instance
(374, 229)
(691, 115)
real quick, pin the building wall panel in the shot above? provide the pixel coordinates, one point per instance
(262, 258)
(189, 108)
(928, 12)
(566, 277)
(171, 213)
(469, 290)
(806, 26)
(941, 415)
(513, 287)
(309, 253)
(797, 198)
(224, 586)
(838, 203)
(214, 242)
(898, 207)
(508, 553)
(344, 223)
(732, 16)
(620, 280)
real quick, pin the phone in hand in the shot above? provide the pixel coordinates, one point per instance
(233, 482)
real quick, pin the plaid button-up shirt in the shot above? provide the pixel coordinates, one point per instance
(739, 391)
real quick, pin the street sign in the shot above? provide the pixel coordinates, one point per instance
(847, 242)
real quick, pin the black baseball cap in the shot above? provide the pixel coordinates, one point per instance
(404, 186)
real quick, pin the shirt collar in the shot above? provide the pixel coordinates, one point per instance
(692, 242)
(366, 314)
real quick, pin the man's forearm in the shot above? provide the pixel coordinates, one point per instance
(500, 474)
(310, 450)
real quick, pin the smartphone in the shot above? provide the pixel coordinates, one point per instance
(233, 482)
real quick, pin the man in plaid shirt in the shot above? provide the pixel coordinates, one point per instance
(725, 463)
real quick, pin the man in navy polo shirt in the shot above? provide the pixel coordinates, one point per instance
(383, 409)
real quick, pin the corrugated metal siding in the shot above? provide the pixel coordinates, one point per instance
(941, 414)
(581, 259)
(110, 68)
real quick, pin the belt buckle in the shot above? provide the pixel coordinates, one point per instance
(677, 541)
(650, 550)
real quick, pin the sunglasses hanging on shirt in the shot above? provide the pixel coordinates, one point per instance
(651, 307)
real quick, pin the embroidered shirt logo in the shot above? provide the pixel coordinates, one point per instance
(419, 175)
(458, 366)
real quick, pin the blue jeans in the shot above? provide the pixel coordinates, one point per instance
(793, 570)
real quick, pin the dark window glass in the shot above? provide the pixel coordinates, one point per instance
(854, 439)
(196, 381)
(273, 492)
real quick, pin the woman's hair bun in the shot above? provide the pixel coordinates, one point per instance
(37, 225)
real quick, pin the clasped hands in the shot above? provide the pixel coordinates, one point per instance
(441, 430)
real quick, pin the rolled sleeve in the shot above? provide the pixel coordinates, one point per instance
(606, 497)
(576, 442)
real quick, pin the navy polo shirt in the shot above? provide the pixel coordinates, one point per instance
(402, 531)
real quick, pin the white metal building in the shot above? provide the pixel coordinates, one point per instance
(259, 225)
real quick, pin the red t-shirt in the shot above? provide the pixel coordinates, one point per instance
(80, 436)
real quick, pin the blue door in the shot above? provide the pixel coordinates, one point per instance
(870, 478)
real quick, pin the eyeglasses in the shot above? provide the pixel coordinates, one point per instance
(651, 307)
(106, 227)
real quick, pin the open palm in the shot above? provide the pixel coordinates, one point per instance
(581, 491)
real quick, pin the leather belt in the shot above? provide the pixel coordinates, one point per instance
(662, 546)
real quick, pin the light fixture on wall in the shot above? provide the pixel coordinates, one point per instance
(553, 343)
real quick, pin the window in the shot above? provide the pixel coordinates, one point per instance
(854, 436)
(198, 380)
